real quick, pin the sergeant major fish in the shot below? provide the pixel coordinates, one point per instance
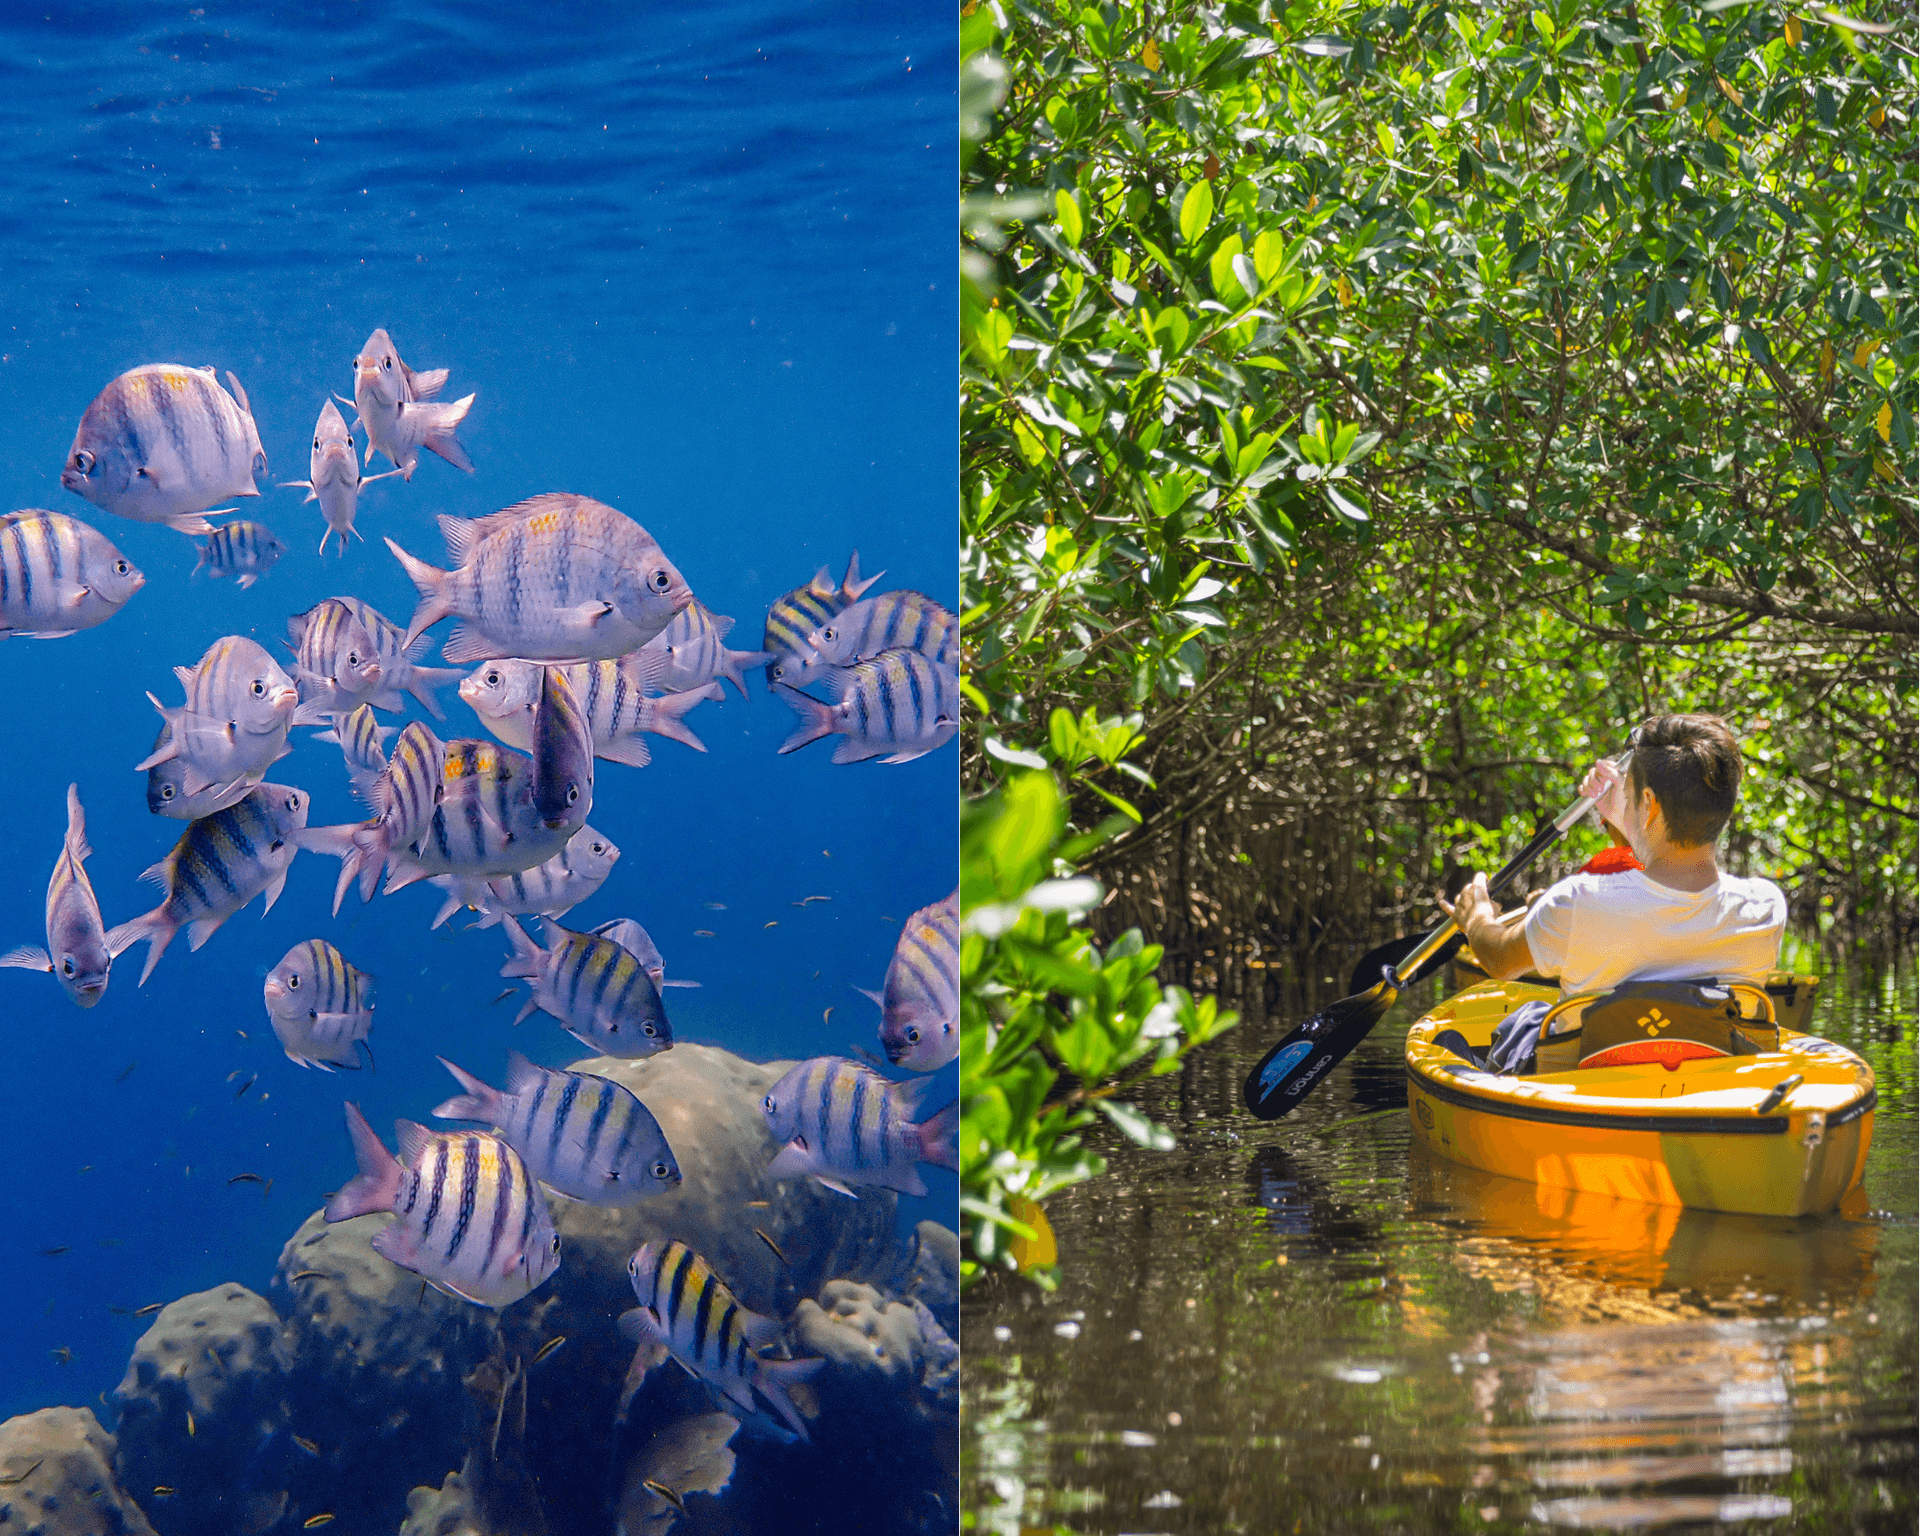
(620, 713)
(362, 741)
(398, 409)
(551, 889)
(899, 620)
(635, 940)
(687, 1312)
(397, 660)
(320, 1005)
(556, 578)
(920, 1008)
(562, 755)
(243, 550)
(336, 479)
(234, 723)
(695, 648)
(59, 576)
(167, 785)
(468, 1219)
(896, 707)
(77, 951)
(845, 1124)
(405, 797)
(163, 443)
(334, 663)
(583, 1136)
(596, 989)
(219, 865)
(793, 617)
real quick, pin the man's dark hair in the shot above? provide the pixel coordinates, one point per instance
(1692, 765)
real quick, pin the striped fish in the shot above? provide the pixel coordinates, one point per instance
(896, 707)
(397, 660)
(245, 550)
(168, 793)
(220, 864)
(562, 755)
(59, 576)
(336, 479)
(406, 798)
(802, 611)
(920, 1009)
(687, 1312)
(582, 1136)
(905, 621)
(597, 990)
(77, 951)
(556, 578)
(845, 1124)
(363, 741)
(334, 663)
(320, 1006)
(468, 1218)
(162, 444)
(398, 409)
(618, 710)
(485, 823)
(695, 647)
(551, 889)
(233, 726)
(635, 940)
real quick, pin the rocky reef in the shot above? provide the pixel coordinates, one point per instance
(351, 1389)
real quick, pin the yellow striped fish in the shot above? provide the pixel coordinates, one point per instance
(76, 951)
(551, 889)
(320, 1006)
(687, 1311)
(58, 575)
(636, 941)
(896, 707)
(562, 755)
(469, 1218)
(334, 663)
(243, 550)
(162, 444)
(585, 1137)
(797, 615)
(695, 648)
(900, 620)
(406, 796)
(599, 992)
(614, 695)
(845, 1124)
(920, 1009)
(362, 741)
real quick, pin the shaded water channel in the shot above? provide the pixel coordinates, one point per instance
(1312, 1326)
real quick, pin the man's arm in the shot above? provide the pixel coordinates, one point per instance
(1498, 944)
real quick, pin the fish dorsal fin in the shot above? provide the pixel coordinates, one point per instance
(533, 506)
(414, 1140)
(186, 675)
(822, 584)
(722, 624)
(523, 1076)
(161, 874)
(238, 393)
(461, 534)
(426, 384)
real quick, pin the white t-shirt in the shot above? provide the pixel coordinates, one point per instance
(1596, 931)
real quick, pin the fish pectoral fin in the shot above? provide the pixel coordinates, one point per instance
(45, 634)
(199, 932)
(587, 613)
(836, 1186)
(27, 957)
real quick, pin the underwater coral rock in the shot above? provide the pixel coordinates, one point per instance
(56, 1478)
(200, 1410)
(688, 1457)
(933, 1275)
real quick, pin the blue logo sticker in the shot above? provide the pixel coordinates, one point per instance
(1278, 1070)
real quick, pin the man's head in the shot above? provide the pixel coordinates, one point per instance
(1692, 765)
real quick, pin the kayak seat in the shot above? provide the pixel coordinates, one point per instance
(1668, 1022)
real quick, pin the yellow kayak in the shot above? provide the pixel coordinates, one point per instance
(1779, 1130)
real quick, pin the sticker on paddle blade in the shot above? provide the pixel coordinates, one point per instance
(1276, 1071)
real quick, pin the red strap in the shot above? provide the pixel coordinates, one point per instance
(1616, 860)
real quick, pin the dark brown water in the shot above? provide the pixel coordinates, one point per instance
(1311, 1326)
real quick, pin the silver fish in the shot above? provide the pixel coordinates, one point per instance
(397, 660)
(845, 1124)
(77, 951)
(320, 1005)
(363, 741)
(405, 798)
(903, 620)
(562, 755)
(596, 990)
(335, 664)
(582, 1136)
(162, 444)
(468, 1218)
(233, 726)
(167, 785)
(219, 865)
(398, 409)
(556, 578)
(896, 707)
(635, 940)
(802, 611)
(243, 550)
(920, 1008)
(551, 889)
(336, 479)
(59, 576)
(696, 652)
(619, 711)
(687, 1312)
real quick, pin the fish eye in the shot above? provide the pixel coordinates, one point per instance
(293, 802)
(661, 581)
(599, 847)
(387, 363)
(492, 679)
(661, 1170)
(120, 567)
(84, 462)
(293, 981)
(259, 688)
(767, 1103)
(556, 1242)
(651, 1031)
(913, 1035)
(66, 964)
(573, 793)
(316, 442)
(166, 791)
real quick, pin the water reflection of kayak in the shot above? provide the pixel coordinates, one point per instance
(1780, 1129)
(1539, 1237)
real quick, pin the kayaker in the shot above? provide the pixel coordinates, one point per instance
(1677, 918)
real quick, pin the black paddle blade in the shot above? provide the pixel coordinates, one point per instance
(1286, 1074)
(1373, 964)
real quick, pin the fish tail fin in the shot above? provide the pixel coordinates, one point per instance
(378, 1181)
(150, 926)
(734, 665)
(940, 1138)
(77, 846)
(368, 858)
(851, 586)
(431, 582)
(479, 1102)
(438, 428)
(424, 680)
(668, 711)
(248, 580)
(452, 905)
(773, 1377)
(525, 961)
(816, 719)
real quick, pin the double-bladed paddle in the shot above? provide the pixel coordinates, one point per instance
(1286, 1074)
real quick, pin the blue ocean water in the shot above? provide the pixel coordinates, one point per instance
(697, 262)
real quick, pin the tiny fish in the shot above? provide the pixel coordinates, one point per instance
(774, 924)
(335, 479)
(162, 1491)
(310, 1274)
(551, 889)
(315, 1521)
(771, 1244)
(320, 1006)
(246, 1178)
(549, 1347)
(920, 1007)
(596, 989)
(54, 1253)
(491, 1245)
(243, 550)
(192, 1428)
(826, 1016)
(119, 1311)
(235, 1073)
(398, 409)
(845, 1124)
(759, 1205)
(77, 952)
(704, 933)
(306, 1445)
(694, 648)
(149, 1309)
(802, 611)
(58, 576)
(655, 1486)
(162, 443)
(125, 1072)
(897, 707)
(63, 1354)
(246, 1085)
